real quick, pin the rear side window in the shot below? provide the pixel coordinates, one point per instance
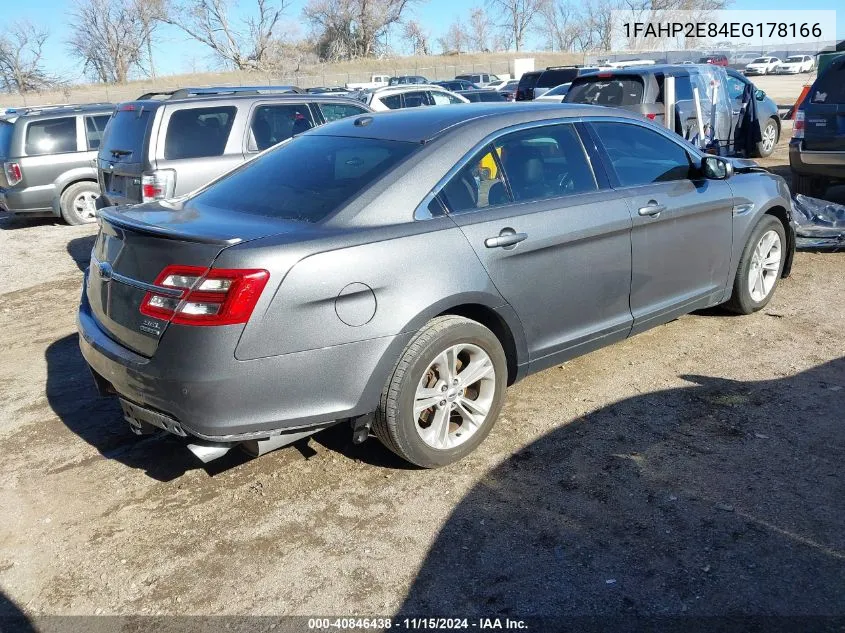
(272, 124)
(641, 156)
(478, 185)
(528, 80)
(51, 136)
(94, 128)
(393, 102)
(198, 132)
(614, 91)
(830, 87)
(334, 111)
(306, 179)
(126, 132)
(416, 99)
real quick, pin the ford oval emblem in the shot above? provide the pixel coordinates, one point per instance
(105, 271)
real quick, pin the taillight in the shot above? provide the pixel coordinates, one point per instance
(798, 125)
(208, 297)
(13, 173)
(158, 184)
(650, 116)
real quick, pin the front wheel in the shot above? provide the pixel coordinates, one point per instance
(445, 393)
(769, 140)
(760, 267)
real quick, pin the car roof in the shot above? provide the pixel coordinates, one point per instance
(70, 109)
(287, 96)
(420, 125)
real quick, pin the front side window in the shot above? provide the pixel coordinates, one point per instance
(641, 156)
(94, 128)
(272, 124)
(198, 132)
(51, 136)
(392, 102)
(479, 184)
(416, 99)
(545, 162)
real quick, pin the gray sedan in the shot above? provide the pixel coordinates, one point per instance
(398, 271)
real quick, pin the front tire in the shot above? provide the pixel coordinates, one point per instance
(760, 267)
(78, 203)
(444, 394)
(771, 136)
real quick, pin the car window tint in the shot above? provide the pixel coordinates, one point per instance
(334, 111)
(440, 98)
(640, 156)
(545, 162)
(51, 136)
(479, 184)
(198, 132)
(735, 88)
(616, 91)
(94, 128)
(307, 178)
(393, 102)
(416, 99)
(272, 124)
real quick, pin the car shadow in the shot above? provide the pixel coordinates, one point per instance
(10, 222)
(717, 499)
(79, 249)
(12, 617)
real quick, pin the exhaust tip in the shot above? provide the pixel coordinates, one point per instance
(208, 451)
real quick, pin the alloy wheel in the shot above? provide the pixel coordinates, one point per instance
(769, 137)
(84, 205)
(765, 266)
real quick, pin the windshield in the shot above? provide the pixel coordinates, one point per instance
(792, 60)
(6, 130)
(761, 60)
(616, 91)
(307, 178)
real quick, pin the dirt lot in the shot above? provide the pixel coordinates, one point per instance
(696, 469)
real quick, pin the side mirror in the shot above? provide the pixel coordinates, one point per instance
(760, 95)
(716, 168)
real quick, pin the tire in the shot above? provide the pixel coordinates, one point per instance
(78, 203)
(403, 432)
(745, 298)
(808, 185)
(763, 151)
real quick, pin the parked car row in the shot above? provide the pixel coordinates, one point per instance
(299, 290)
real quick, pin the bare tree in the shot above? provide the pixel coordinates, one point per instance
(600, 23)
(152, 13)
(517, 17)
(110, 37)
(347, 29)
(561, 23)
(245, 44)
(417, 36)
(455, 39)
(21, 67)
(480, 29)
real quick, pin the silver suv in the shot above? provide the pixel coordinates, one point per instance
(157, 149)
(48, 158)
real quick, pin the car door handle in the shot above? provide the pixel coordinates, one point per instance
(505, 239)
(652, 209)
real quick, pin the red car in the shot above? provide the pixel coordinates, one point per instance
(716, 60)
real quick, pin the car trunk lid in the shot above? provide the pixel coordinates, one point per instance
(824, 111)
(136, 244)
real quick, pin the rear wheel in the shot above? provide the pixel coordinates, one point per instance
(445, 393)
(808, 185)
(78, 203)
(760, 267)
(770, 135)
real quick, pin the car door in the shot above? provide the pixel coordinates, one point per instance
(553, 237)
(682, 224)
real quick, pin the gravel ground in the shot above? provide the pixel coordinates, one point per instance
(695, 469)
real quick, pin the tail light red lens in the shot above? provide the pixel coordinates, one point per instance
(798, 125)
(216, 296)
(13, 173)
(158, 184)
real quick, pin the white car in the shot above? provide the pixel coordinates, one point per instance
(762, 66)
(556, 94)
(796, 64)
(409, 96)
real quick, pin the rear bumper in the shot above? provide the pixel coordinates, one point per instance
(808, 163)
(32, 200)
(213, 396)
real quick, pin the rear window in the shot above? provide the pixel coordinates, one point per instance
(307, 178)
(529, 80)
(51, 136)
(198, 132)
(125, 133)
(614, 91)
(830, 87)
(6, 130)
(552, 78)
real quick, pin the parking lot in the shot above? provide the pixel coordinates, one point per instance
(696, 469)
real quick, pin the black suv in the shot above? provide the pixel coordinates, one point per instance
(539, 82)
(47, 155)
(817, 148)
